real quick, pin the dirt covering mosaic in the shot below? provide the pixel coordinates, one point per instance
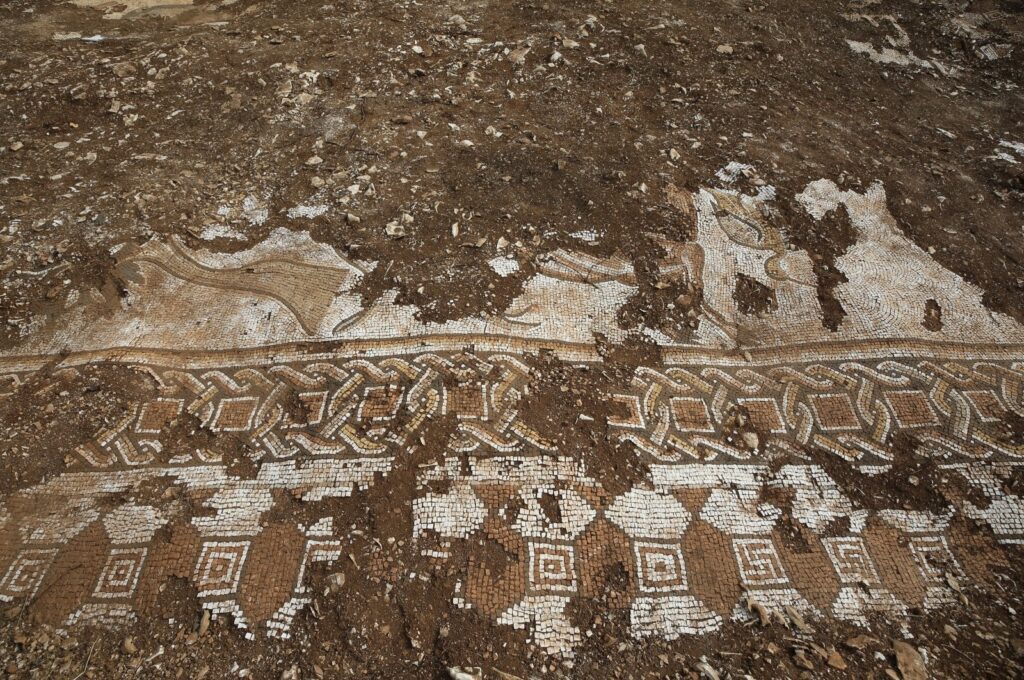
(514, 340)
(327, 397)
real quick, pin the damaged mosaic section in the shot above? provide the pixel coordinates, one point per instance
(745, 430)
(702, 536)
(290, 289)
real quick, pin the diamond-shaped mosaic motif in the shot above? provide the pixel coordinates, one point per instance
(835, 412)
(381, 402)
(691, 415)
(467, 400)
(911, 408)
(26, 573)
(764, 414)
(158, 414)
(986, 404)
(235, 414)
(220, 567)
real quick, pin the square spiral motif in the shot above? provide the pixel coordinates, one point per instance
(552, 567)
(659, 567)
(934, 558)
(220, 567)
(121, 573)
(26, 574)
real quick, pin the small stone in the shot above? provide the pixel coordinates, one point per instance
(123, 69)
(763, 614)
(352, 219)
(336, 581)
(129, 646)
(465, 673)
(314, 160)
(17, 146)
(751, 440)
(707, 672)
(204, 622)
(859, 642)
(518, 55)
(909, 661)
(801, 659)
(835, 660)
(724, 49)
(797, 619)
(394, 230)
(641, 50)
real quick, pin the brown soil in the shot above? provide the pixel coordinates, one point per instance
(168, 119)
(55, 412)
(153, 129)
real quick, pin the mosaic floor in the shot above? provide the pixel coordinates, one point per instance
(273, 344)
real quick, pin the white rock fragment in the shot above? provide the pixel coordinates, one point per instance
(307, 211)
(503, 266)
(214, 231)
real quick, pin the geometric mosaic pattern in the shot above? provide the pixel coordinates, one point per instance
(360, 413)
(732, 511)
(121, 573)
(674, 414)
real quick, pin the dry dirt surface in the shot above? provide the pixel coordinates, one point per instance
(512, 340)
